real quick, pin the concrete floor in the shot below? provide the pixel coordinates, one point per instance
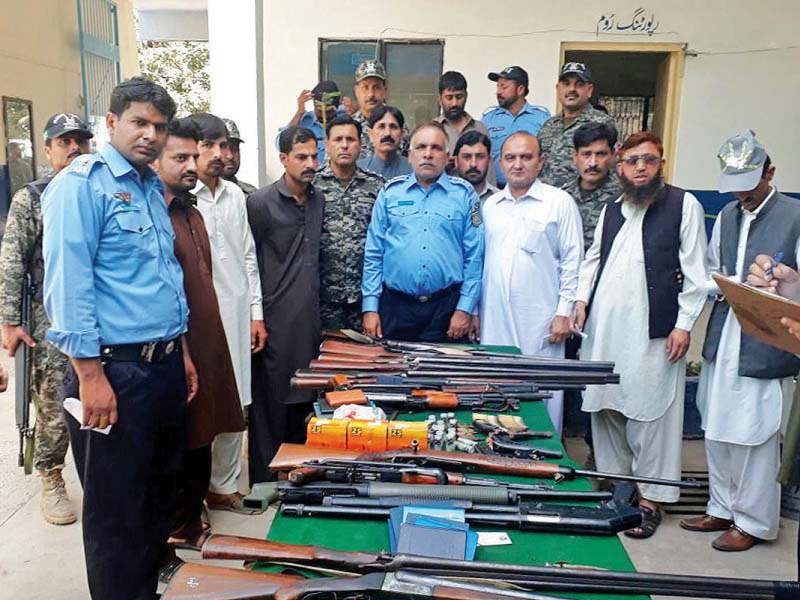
(38, 560)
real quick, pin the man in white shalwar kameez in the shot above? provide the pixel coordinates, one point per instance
(534, 247)
(745, 384)
(238, 287)
(644, 281)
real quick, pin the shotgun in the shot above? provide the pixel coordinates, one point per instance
(291, 456)
(564, 579)
(420, 400)
(22, 387)
(264, 494)
(200, 582)
(346, 471)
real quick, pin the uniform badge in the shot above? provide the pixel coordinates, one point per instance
(124, 196)
(476, 214)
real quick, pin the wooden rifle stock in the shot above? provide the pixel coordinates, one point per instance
(232, 547)
(200, 582)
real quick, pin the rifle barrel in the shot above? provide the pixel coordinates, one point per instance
(683, 483)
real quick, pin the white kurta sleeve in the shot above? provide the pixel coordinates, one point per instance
(570, 250)
(692, 256)
(591, 263)
(251, 266)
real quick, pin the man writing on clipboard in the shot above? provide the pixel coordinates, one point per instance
(745, 383)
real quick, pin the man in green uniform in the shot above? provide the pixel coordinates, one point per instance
(350, 192)
(65, 138)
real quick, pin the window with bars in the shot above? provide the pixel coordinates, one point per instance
(413, 68)
(100, 69)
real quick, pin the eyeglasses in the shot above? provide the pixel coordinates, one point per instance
(649, 160)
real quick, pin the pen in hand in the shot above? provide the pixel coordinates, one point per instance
(776, 259)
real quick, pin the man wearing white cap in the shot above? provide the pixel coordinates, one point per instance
(744, 382)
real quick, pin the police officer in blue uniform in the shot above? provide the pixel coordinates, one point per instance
(423, 259)
(113, 290)
(512, 114)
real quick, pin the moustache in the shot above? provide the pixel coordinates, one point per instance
(74, 154)
(426, 164)
(309, 172)
(592, 170)
(387, 139)
(472, 171)
(572, 95)
(188, 174)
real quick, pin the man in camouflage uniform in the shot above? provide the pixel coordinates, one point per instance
(370, 91)
(66, 137)
(233, 161)
(350, 192)
(574, 90)
(596, 182)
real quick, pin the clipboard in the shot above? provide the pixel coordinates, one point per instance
(759, 313)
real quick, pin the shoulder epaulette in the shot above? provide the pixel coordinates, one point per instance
(460, 181)
(83, 164)
(490, 109)
(397, 179)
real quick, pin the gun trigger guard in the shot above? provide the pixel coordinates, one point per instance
(558, 477)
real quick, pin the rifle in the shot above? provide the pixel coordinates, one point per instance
(564, 579)
(432, 399)
(264, 494)
(347, 471)
(608, 519)
(22, 388)
(200, 582)
(290, 456)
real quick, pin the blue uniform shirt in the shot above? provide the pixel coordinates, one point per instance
(422, 241)
(111, 276)
(501, 124)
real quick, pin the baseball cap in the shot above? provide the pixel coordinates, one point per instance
(741, 159)
(233, 130)
(518, 74)
(62, 123)
(583, 72)
(326, 87)
(370, 68)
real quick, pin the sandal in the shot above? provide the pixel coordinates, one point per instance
(651, 519)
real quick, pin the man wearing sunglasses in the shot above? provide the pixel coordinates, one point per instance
(641, 315)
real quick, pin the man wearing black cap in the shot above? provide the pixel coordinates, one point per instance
(65, 137)
(574, 90)
(512, 113)
(326, 97)
(233, 159)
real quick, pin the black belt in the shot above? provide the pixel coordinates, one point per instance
(148, 352)
(423, 299)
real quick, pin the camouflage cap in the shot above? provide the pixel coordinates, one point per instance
(233, 130)
(370, 68)
(62, 123)
(741, 159)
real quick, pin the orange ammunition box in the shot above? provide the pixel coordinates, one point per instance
(327, 433)
(369, 436)
(402, 433)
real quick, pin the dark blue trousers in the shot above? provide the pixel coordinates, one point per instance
(404, 317)
(130, 476)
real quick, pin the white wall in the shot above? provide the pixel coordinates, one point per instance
(721, 93)
(233, 71)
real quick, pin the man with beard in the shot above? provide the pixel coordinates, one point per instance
(370, 91)
(454, 118)
(113, 290)
(216, 408)
(286, 219)
(317, 118)
(574, 90)
(238, 287)
(350, 193)
(65, 138)
(640, 318)
(745, 384)
(534, 247)
(596, 182)
(424, 253)
(386, 131)
(233, 161)
(512, 114)
(473, 154)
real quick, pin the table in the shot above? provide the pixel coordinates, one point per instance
(527, 548)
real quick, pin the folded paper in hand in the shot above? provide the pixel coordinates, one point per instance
(75, 407)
